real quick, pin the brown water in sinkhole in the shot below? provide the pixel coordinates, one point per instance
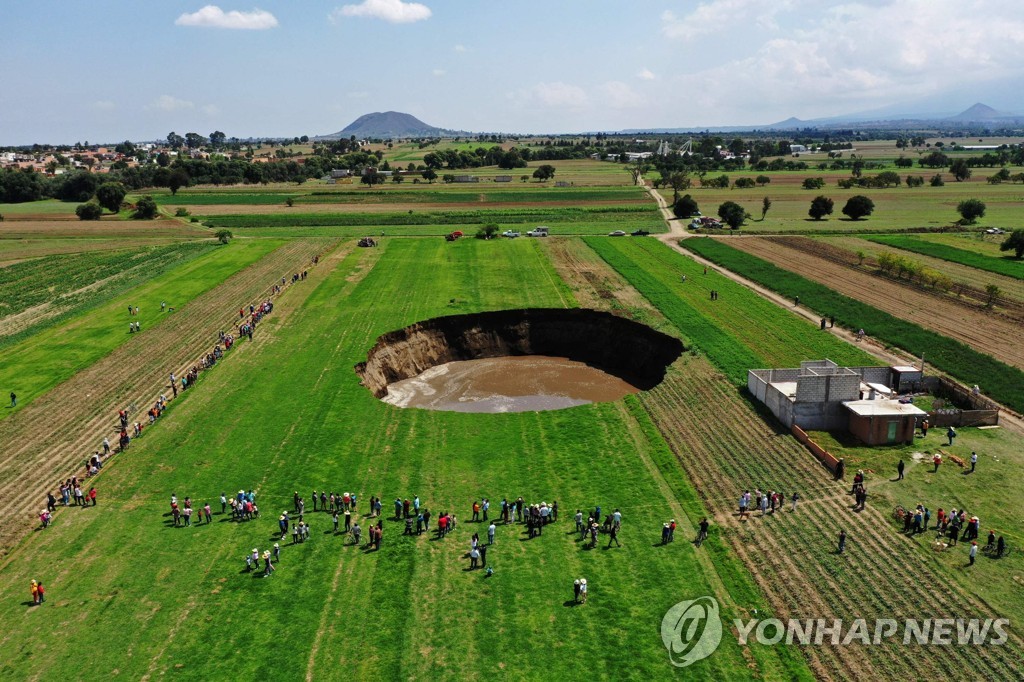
(524, 383)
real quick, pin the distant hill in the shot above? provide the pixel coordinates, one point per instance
(978, 112)
(387, 124)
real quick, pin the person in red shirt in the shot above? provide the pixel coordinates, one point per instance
(41, 592)
(442, 525)
(92, 496)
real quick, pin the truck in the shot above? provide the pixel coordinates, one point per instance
(511, 234)
(539, 231)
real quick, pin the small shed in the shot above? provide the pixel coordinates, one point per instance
(883, 422)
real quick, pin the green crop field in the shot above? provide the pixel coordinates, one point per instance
(1007, 265)
(1004, 383)
(132, 596)
(35, 361)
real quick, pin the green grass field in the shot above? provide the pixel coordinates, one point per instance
(131, 596)
(41, 360)
(332, 606)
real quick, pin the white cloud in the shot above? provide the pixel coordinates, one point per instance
(645, 75)
(720, 16)
(853, 56)
(392, 11)
(170, 103)
(556, 95)
(212, 16)
(460, 48)
(439, 72)
(618, 95)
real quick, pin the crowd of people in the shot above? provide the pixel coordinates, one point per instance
(767, 502)
(72, 488)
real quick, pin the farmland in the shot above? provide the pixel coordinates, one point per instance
(1002, 266)
(1001, 381)
(286, 413)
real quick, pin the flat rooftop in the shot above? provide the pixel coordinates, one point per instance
(883, 408)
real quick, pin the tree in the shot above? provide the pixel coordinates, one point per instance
(145, 209)
(372, 179)
(685, 207)
(821, 206)
(732, 214)
(960, 170)
(970, 210)
(544, 172)
(637, 169)
(858, 206)
(110, 195)
(289, 202)
(430, 175)
(1015, 243)
(762, 180)
(177, 179)
(937, 180)
(89, 211)
(217, 138)
(904, 162)
(743, 183)
(163, 159)
(813, 183)
(174, 140)
(487, 231)
(766, 203)
(678, 181)
(223, 236)
(993, 292)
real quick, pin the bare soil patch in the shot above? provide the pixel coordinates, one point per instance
(989, 333)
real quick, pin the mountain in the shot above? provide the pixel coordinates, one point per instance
(978, 112)
(386, 124)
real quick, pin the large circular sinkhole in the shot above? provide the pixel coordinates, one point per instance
(517, 360)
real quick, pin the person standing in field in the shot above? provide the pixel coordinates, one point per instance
(583, 590)
(842, 541)
(974, 461)
(490, 533)
(14, 399)
(899, 470)
(576, 591)
(973, 553)
(207, 513)
(951, 435)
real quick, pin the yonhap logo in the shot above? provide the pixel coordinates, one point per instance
(691, 630)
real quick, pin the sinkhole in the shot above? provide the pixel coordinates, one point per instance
(517, 360)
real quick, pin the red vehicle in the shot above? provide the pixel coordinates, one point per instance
(453, 236)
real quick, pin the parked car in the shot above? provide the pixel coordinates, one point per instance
(539, 231)
(511, 234)
(617, 233)
(995, 230)
(640, 233)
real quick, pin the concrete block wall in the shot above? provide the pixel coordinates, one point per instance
(844, 388)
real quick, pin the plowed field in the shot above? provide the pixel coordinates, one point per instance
(990, 334)
(50, 439)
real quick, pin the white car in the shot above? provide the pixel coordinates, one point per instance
(511, 234)
(617, 233)
(538, 232)
(995, 230)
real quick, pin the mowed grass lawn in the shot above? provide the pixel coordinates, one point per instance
(41, 361)
(287, 413)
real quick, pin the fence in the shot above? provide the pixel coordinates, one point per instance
(824, 456)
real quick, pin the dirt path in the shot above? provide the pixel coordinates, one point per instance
(725, 447)
(1008, 418)
(51, 438)
(990, 334)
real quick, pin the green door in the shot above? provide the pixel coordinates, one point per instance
(893, 425)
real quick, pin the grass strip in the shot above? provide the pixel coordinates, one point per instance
(1000, 266)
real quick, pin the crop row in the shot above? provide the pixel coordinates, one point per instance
(1002, 382)
(738, 331)
(1000, 266)
(508, 216)
(228, 197)
(76, 282)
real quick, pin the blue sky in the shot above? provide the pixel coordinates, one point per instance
(106, 70)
